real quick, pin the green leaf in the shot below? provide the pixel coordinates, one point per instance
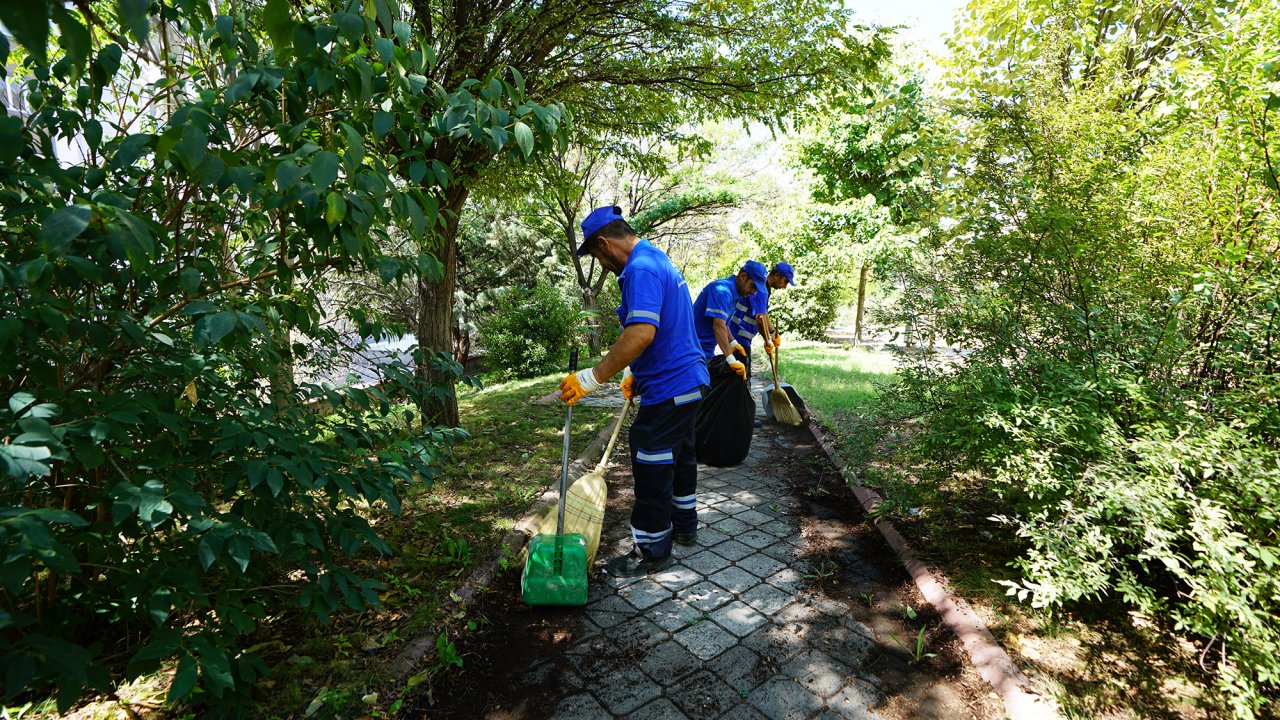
(64, 226)
(524, 138)
(29, 23)
(210, 329)
(324, 170)
(133, 14)
(191, 147)
(335, 209)
(417, 171)
(21, 461)
(184, 680)
(288, 173)
(382, 123)
(72, 36)
(279, 27)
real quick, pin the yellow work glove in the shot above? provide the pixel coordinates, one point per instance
(575, 387)
(768, 345)
(737, 349)
(777, 340)
(736, 365)
(628, 384)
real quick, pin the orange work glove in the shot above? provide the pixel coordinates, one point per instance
(628, 384)
(777, 340)
(736, 349)
(736, 365)
(575, 387)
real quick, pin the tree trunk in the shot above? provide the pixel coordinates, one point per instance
(862, 303)
(435, 312)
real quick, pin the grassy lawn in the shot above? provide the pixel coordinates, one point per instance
(835, 379)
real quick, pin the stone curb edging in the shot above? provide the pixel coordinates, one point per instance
(512, 546)
(988, 657)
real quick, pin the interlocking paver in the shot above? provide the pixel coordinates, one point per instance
(735, 579)
(647, 594)
(757, 539)
(784, 699)
(754, 518)
(855, 700)
(668, 662)
(766, 598)
(739, 618)
(703, 695)
(674, 615)
(635, 635)
(705, 596)
(705, 639)
(710, 537)
(578, 707)
(660, 709)
(761, 565)
(627, 690)
(733, 550)
(682, 576)
(817, 673)
(732, 527)
(707, 562)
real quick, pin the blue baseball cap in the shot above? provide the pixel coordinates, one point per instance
(756, 271)
(785, 271)
(598, 218)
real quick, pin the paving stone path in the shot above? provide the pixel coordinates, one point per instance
(789, 607)
(726, 632)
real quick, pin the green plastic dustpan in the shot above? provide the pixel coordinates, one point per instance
(555, 572)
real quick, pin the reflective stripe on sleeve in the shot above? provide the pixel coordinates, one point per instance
(644, 314)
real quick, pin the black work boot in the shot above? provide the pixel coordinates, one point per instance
(636, 563)
(687, 539)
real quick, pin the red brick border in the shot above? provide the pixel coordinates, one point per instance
(988, 658)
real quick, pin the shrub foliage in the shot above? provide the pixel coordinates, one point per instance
(166, 484)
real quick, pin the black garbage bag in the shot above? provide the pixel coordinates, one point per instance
(723, 428)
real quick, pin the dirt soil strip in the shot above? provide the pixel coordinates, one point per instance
(513, 544)
(990, 660)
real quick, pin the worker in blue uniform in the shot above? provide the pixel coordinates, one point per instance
(668, 375)
(716, 305)
(751, 315)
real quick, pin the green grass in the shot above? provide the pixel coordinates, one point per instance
(833, 379)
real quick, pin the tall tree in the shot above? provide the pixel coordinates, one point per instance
(881, 149)
(628, 67)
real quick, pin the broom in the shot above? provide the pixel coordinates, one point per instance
(783, 411)
(585, 501)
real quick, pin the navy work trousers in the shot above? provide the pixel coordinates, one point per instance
(665, 470)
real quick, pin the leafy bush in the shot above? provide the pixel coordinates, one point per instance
(529, 331)
(809, 309)
(1122, 320)
(166, 485)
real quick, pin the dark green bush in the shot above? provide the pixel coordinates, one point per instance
(166, 482)
(529, 331)
(809, 309)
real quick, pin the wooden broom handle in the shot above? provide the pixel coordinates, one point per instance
(613, 439)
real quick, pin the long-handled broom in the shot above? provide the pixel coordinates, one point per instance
(784, 411)
(584, 505)
(779, 401)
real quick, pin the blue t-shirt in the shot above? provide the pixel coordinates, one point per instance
(718, 300)
(742, 325)
(655, 292)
